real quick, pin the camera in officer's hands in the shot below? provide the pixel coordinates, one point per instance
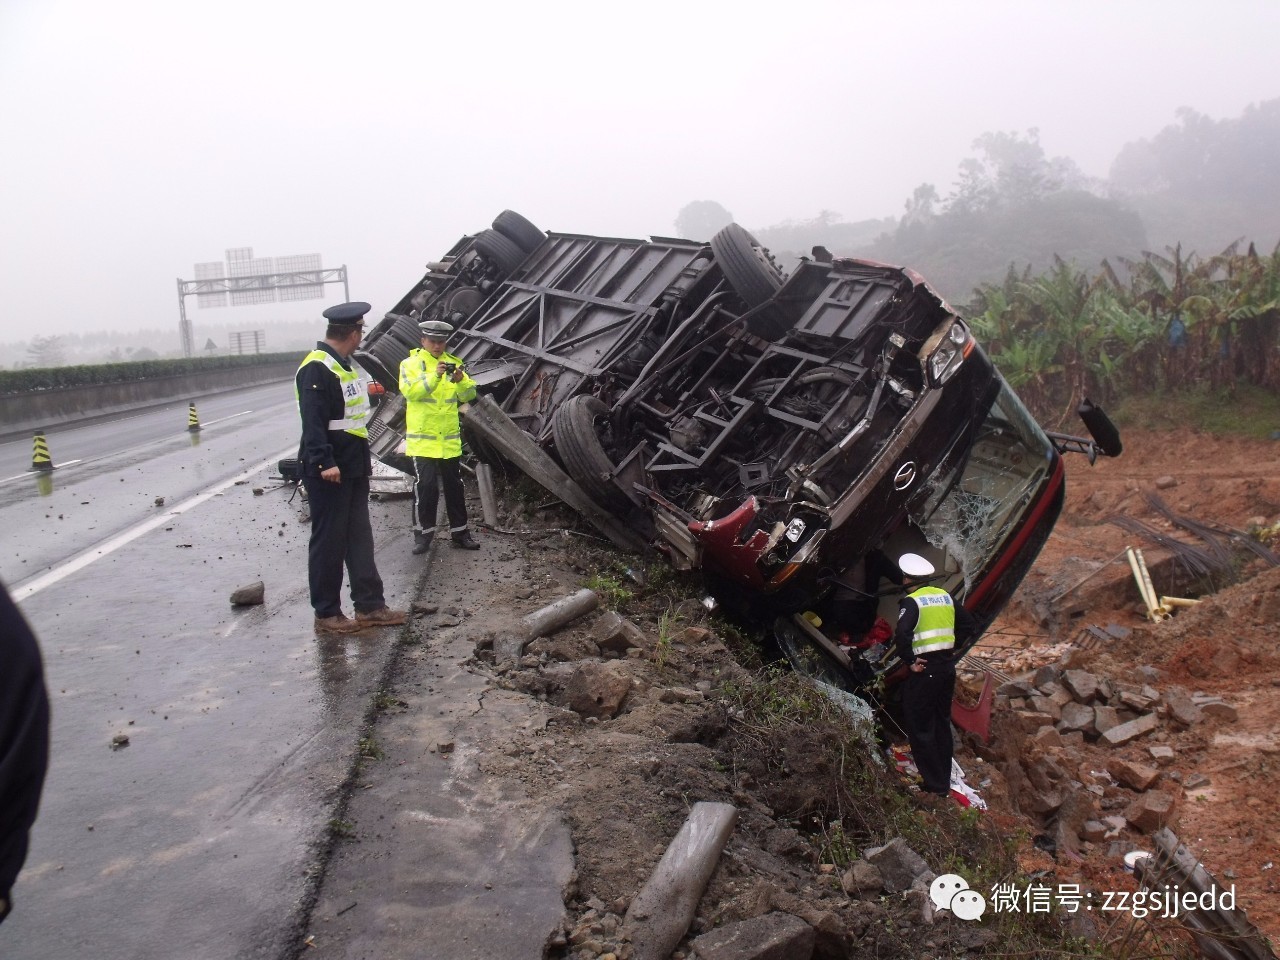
(450, 369)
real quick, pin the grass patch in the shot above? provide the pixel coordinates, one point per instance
(1242, 411)
(614, 594)
(668, 623)
(630, 583)
(384, 701)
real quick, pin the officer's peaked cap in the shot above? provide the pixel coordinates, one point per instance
(914, 565)
(350, 313)
(437, 329)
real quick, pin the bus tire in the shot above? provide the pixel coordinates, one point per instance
(573, 426)
(744, 265)
(518, 230)
(499, 250)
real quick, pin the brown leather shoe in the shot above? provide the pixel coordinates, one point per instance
(339, 623)
(382, 617)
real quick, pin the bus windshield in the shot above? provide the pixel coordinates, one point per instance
(977, 503)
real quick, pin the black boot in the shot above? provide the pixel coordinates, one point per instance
(463, 541)
(422, 540)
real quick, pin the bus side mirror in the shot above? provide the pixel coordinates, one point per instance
(1100, 427)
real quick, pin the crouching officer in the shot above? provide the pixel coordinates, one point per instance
(334, 453)
(931, 625)
(433, 384)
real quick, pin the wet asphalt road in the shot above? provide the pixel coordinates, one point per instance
(201, 837)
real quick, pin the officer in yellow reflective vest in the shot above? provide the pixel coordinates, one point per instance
(931, 626)
(433, 384)
(334, 405)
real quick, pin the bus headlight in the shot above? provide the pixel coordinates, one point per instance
(952, 345)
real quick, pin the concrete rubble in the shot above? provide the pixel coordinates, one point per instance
(1059, 714)
(250, 595)
(898, 864)
(774, 936)
(597, 689)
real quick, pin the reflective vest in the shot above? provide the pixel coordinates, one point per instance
(431, 424)
(355, 395)
(936, 627)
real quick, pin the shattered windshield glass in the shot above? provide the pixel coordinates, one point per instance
(980, 501)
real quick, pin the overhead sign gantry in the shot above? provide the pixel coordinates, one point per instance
(244, 280)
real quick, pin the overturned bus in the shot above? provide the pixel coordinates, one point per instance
(771, 430)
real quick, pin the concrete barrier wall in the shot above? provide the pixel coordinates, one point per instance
(42, 408)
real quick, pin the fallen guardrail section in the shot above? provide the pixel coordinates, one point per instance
(1222, 932)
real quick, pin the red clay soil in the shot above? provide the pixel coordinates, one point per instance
(1228, 645)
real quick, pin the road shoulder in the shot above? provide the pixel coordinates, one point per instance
(432, 856)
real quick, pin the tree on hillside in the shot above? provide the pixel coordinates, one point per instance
(1011, 204)
(47, 351)
(1009, 170)
(701, 219)
(1205, 182)
(921, 206)
(1178, 157)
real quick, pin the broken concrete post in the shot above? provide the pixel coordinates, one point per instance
(488, 503)
(487, 419)
(661, 912)
(552, 617)
(508, 647)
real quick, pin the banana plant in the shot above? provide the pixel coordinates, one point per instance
(1060, 311)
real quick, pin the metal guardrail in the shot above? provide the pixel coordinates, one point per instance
(1221, 933)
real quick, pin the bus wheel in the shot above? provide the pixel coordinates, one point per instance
(500, 251)
(746, 265)
(577, 437)
(518, 230)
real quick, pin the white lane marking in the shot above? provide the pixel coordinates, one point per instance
(131, 450)
(72, 425)
(36, 473)
(77, 564)
(242, 413)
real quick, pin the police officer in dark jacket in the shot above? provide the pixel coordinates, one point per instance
(24, 741)
(334, 406)
(931, 627)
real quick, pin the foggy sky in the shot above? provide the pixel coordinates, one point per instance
(141, 138)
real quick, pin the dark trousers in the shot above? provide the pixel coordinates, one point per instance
(426, 494)
(341, 534)
(926, 713)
